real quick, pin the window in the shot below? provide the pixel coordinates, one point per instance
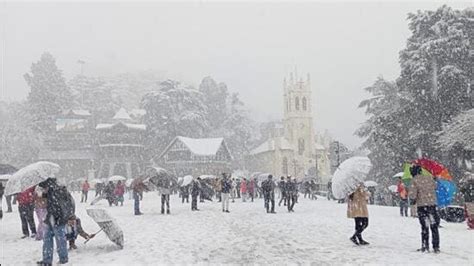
(303, 102)
(297, 103)
(285, 166)
(300, 146)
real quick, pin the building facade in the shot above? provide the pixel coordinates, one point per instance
(293, 148)
(196, 157)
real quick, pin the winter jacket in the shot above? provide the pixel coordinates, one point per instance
(291, 188)
(423, 190)
(357, 204)
(119, 190)
(243, 187)
(26, 197)
(402, 191)
(226, 185)
(59, 205)
(138, 186)
(85, 186)
(109, 190)
(282, 186)
(251, 186)
(195, 188)
(2, 190)
(268, 187)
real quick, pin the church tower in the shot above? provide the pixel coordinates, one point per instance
(298, 122)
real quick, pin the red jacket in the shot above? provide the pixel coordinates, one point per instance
(26, 197)
(85, 186)
(402, 191)
(243, 186)
(119, 190)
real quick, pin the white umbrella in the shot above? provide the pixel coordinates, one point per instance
(128, 183)
(370, 183)
(349, 175)
(117, 178)
(398, 175)
(30, 176)
(108, 225)
(393, 188)
(187, 180)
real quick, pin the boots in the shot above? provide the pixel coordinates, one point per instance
(362, 241)
(354, 240)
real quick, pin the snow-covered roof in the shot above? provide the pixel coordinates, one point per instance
(202, 146)
(271, 145)
(128, 125)
(122, 114)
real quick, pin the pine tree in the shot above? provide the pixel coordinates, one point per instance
(49, 94)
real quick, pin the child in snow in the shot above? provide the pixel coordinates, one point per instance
(73, 229)
(119, 192)
(357, 209)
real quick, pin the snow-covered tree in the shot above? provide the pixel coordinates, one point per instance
(173, 110)
(436, 70)
(49, 94)
(19, 144)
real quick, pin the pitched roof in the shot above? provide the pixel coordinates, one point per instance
(202, 146)
(78, 112)
(271, 145)
(122, 114)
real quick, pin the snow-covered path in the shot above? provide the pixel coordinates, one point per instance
(317, 232)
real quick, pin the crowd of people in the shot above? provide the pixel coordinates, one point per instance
(56, 220)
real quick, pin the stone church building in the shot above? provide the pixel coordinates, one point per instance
(291, 147)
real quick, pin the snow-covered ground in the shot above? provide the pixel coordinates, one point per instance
(317, 232)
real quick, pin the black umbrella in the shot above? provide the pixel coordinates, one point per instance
(160, 176)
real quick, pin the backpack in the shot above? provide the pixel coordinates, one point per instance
(66, 204)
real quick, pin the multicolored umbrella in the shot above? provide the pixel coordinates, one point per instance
(434, 167)
(445, 188)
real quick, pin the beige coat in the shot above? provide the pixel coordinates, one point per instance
(357, 206)
(423, 190)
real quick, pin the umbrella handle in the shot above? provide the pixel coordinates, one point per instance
(85, 242)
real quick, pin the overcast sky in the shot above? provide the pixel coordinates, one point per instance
(249, 46)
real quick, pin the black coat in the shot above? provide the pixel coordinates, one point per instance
(195, 188)
(226, 186)
(60, 205)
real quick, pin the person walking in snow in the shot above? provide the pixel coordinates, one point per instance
(85, 191)
(291, 193)
(226, 187)
(41, 211)
(184, 191)
(119, 192)
(251, 188)
(423, 193)
(268, 188)
(282, 188)
(403, 194)
(195, 191)
(137, 188)
(243, 189)
(110, 193)
(233, 192)
(357, 209)
(60, 206)
(26, 209)
(2, 190)
(165, 190)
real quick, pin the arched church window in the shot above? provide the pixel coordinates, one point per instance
(285, 166)
(297, 103)
(303, 102)
(300, 146)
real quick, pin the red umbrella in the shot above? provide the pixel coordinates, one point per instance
(435, 168)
